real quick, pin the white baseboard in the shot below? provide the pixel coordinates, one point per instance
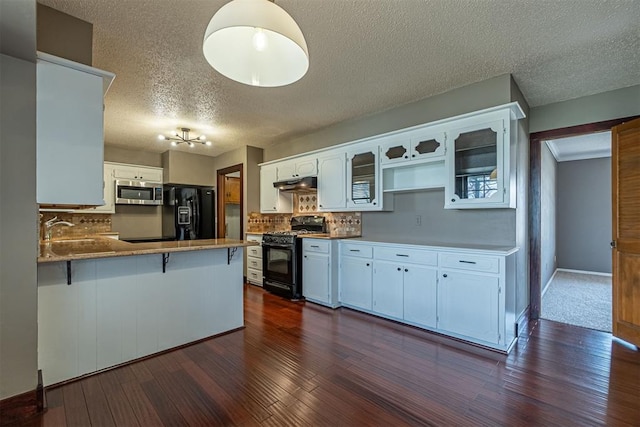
(595, 273)
(546, 286)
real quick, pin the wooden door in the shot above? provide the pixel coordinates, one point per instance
(625, 169)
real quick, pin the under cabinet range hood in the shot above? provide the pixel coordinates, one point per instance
(308, 183)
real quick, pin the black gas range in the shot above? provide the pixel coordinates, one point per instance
(282, 256)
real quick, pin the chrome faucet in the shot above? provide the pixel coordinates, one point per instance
(48, 227)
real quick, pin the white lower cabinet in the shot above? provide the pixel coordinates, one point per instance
(254, 259)
(388, 290)
(466, 293)
(319, 278)
(468, 304)
(420, 295)
(356, 275)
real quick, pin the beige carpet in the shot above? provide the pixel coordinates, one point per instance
(579, 299)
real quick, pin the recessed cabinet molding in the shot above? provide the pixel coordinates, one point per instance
(462, 292)
(70, 123)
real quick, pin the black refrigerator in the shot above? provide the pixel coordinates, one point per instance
(188, 212)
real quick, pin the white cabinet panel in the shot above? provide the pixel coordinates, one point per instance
(420, 295)
(271, 199)
(70, 142)
(297, 168)
(355, 282)
(315, 276)
(403, 255)
(67, 321)
(332, 182)
(118, 309)
(468, 305)
(116, 312)
(254, 260)
(137, 173)
(388, 289)
(472, 262)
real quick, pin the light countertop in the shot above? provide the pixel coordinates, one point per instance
(104, 247)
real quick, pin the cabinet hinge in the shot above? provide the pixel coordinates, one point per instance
(499, 337)
(499, 290)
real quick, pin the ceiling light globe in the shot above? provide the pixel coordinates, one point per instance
(208, 143)
(173, 143)
(202, 137)
(161, 137)
(191, 145)
(229, 44)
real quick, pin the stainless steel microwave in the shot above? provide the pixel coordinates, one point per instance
(138, 193)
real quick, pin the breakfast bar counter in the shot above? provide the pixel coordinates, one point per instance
(104, 302)
(102, 247)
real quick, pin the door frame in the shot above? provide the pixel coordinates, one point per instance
(221, 173)
(535, 216)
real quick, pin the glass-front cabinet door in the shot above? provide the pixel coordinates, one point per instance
(478, 164)
(363, 182)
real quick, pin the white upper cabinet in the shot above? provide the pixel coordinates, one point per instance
(138, 173)
(297, 168)
(109, 197)
(271, 199)
(481, 162)
(363, 177)
(70, 139)
(412, 147)
(332, 182)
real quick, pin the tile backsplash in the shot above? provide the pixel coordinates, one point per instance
(338, 223)
(84, 224)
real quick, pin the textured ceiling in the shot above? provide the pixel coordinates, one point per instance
(366, 56)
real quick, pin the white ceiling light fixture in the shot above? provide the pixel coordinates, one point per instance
(177, 138)
(257, 43)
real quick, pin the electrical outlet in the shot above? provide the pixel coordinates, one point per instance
(418, 219)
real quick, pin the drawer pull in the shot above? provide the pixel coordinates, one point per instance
(404, 255)
(315, 246)
(354, 250)
(467, 262)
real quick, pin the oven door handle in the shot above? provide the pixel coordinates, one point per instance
(269, 245)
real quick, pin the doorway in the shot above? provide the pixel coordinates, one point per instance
(230, 202)
(536, 141)
(576, 230)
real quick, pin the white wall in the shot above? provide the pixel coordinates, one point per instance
(18, 210)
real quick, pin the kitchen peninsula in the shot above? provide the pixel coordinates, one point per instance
(104, 302)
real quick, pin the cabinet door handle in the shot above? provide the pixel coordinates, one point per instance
(305, 256)
(444, 275)
(399, 269)
(466, 262)
(406, 269)
(368, 264)
(315, 246)
(403, 255)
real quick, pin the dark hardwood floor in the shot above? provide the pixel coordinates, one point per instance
(302, 364)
